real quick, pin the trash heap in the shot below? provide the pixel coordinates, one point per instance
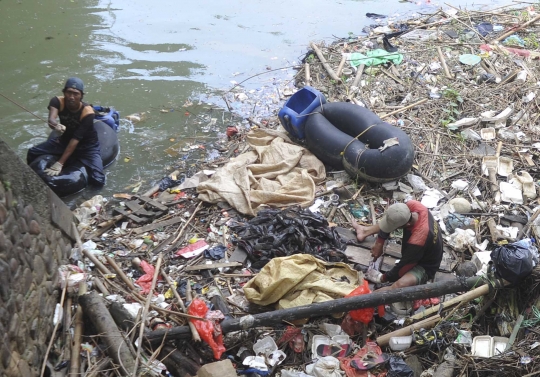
(249, 265)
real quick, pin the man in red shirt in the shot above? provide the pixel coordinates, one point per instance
(421, 250)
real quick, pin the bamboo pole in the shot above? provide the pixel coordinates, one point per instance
(359, 72)
(187, 223)
(471, 295)
(341, 65)
(405, 108)
(425, 324)
(120, 273)
(443, 63)
(194, 332)
(500, 38)
(325, 63)
(307, 74)
(145, 311)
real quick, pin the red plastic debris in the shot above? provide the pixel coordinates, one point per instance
(145, 281)
(362, 315)
(231, 131)
(294, 337)
(193, 249)
(209, 331)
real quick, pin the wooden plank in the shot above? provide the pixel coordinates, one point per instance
(153, 226)
(391, 248)
(61, 216)
(153, 203)
(363, 256)
(129, 215)
(212, 266)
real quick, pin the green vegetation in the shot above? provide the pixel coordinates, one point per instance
(452, 110)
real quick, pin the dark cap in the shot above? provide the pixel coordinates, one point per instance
(74, 83)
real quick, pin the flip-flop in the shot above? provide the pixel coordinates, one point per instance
(336, 351)
(369, 361)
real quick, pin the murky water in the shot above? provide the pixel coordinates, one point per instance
(168, 58)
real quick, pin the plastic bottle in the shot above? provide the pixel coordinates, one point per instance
(400, 343)
(522, 76)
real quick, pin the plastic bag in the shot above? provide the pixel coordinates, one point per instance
(361, 315)
(399, 368)
(210, 331)
(513, 262)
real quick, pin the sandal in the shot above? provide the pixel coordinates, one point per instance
(369, 361)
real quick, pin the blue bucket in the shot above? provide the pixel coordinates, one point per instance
(293, 115)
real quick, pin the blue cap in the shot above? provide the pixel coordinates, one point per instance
(75, 83)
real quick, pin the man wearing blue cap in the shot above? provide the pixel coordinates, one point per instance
(78, 139)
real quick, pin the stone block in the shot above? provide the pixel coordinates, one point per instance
(34, 328)
(3, 213)
(24, 369)
(9, 199)
(14, 325)
(47, 256)
(26, 240)
(34, 228)
(21, 337)
(5, 354)
(5, 280)
(28, 213)
(19, 304)
(28, 278)
(223, 368)
(23, 226)
(39, 269)
(13, 265)
(3, 241)
(9, 223)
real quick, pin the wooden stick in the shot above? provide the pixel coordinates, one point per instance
(44, 365)
(155, 189)
(145, 311)
(100, 266)
(307, 73)
(341, 64)
(443, 63)
(325, 63)
(515, 331)
(120, 273)
(100, 286)
(425, 324)
(194, 332)
(518, 28)
(187, 223)
(405, 108)
(359, 72)
(75, 361)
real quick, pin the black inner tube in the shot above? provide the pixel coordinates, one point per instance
(331, 135)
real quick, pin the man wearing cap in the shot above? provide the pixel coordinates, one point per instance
(421, 250)
(78, 139)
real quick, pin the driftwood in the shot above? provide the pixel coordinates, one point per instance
(117, 349)
(155, 189)
(75, 361)
(325, 63)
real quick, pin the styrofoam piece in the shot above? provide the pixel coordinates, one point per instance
(400, 343)
(527, 184)
(505, 167)
(482, 346)
(510, 193)
(265, 346)
(499, 344)
(488, 133)
(331, 329)
(481, 260)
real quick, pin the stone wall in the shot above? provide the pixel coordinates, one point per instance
(35, 238)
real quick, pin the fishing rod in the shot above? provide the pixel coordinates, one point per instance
(28, 111)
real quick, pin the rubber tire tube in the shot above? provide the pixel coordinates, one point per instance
(71, 180)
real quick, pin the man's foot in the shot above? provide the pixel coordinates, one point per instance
(360, 231)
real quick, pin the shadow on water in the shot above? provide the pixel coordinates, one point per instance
(170, 60)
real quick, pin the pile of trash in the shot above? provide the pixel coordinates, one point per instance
(249, 264)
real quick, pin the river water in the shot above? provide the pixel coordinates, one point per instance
(170, 59)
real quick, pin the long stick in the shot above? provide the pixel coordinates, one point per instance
(145, 311)
(194, 332)
(75, 361)
(100, 266)
(341, 65)
(325, 63)
(359, 72)
(425, 324)
(405, 108)
(54, 330)
(120, 273)
(28, 111)
(307, 74)
(518, 28)
(443, 63)
(186, 224)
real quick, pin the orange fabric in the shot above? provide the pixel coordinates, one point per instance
(420, 230)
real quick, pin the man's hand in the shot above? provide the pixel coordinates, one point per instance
(60, 128)
(374, 276)
(54, 170)
(377, 249)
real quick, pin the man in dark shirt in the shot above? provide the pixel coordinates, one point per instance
(422, 248)
(79, 139)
